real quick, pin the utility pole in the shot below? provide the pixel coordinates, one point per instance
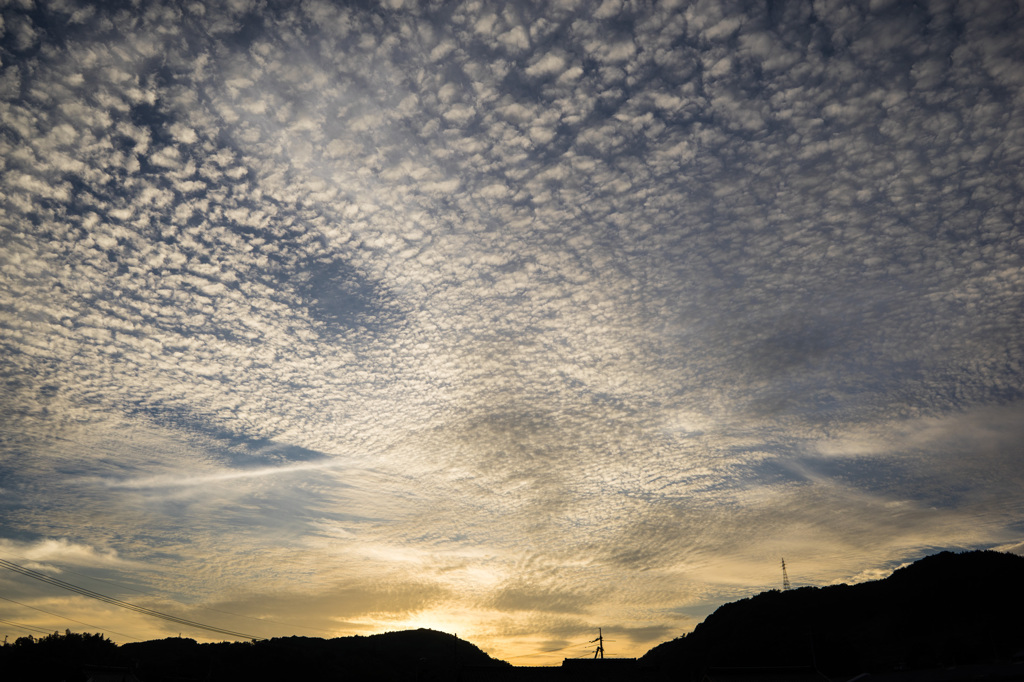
(785, 578)
(600, 644)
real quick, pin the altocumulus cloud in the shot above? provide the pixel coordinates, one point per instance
(512, 319)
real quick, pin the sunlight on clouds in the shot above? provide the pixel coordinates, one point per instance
(177, 480)
(63, 551)
(977, 432)
(515, 323)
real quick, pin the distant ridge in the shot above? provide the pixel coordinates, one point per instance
(390, 657)
(941, 611)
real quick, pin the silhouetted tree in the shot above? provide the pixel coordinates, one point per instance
(56, 657)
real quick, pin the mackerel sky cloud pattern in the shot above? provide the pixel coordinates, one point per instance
(511, 319)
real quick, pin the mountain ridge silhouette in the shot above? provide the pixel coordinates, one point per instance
(947, 609)
(941, 611)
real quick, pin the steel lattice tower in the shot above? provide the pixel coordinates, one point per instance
(785, 578)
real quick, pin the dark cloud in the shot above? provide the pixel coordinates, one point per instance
(530, 598)
(347, 601)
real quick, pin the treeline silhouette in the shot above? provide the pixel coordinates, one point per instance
(55, 657)
(942, 611)
(408, 655)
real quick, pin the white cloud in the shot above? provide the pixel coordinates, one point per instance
(546, 65)
(45, 552)
(608, 9)
(515, 38)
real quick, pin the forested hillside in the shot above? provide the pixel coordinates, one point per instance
(944, 610)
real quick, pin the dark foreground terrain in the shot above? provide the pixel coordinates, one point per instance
(408, 655)
(945, 617)
(944, 611)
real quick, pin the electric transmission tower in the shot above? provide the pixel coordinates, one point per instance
(785, 578)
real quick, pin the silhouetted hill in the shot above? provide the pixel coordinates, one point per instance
(947, 609)
(944, 610)
(408, 655)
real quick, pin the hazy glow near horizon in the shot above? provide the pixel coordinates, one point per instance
(514, 320)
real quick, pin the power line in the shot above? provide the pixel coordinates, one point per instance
(25, 627)
(80, 622)
(35, 575)
(65, 569)
(122, 586)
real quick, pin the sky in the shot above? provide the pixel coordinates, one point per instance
(513, 320)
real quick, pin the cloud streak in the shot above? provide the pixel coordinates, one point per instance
(176, 481)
